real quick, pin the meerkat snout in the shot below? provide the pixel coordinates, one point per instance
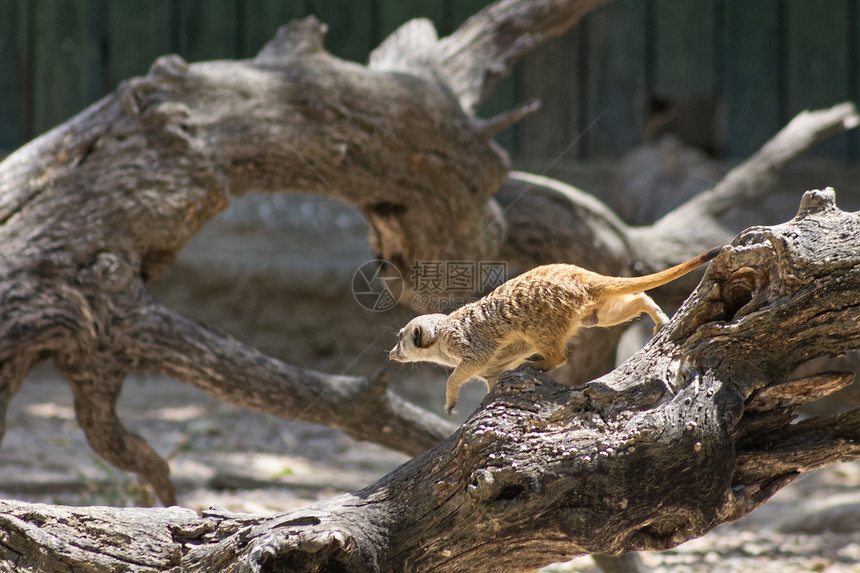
(416, 340)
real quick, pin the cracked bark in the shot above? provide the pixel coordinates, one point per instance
(97, 208)
(100, 206)
(693, 431)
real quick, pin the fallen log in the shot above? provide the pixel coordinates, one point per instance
(695, 430)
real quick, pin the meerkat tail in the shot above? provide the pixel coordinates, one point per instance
(632, 285)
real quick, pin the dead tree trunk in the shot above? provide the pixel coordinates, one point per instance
(95, 209)
(693, 431)
(92, 211)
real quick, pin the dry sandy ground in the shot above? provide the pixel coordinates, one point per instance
(223, 455)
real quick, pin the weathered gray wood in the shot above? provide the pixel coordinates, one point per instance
(504, 95)
(100, 206)
(97, 208)
(393, 13)
(517, 29)
(260, 19)
(666, 447)
(549, 222)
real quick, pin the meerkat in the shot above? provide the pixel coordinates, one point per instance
(530, 318)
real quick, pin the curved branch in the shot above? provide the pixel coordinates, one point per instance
(683, 437)
(574, 227)
(165, 342)
(96, 208)
(485, 48)
(754, 177)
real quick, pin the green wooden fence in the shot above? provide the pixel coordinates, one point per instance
(724, 75)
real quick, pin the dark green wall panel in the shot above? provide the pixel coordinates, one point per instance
(12, 87)
(816, 66)
(262, 18)
(732, 71)
(206, 29)
(751, 70)
(351, 27)
(393, 13)
(552, 73)
(616, 78)
(66, 59)
(137, 32)
(684, 70)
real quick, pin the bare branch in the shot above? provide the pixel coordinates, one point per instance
(664, 448)
(487, 45)
(490, 127)
(754, 177)
(363, 407)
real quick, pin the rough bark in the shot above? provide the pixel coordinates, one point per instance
(98, 207)
(95, 209)
(693, 431)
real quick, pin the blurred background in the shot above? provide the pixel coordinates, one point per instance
(722, 75)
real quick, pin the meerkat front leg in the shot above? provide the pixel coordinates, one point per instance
(551, 350)
(461, 374)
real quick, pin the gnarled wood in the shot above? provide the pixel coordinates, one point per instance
(662, 449)
(93, 210)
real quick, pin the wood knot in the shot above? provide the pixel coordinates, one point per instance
(488, 486)
(108, 272)
(170, 120)
(739, 290)
(816, 201)
(303, 37)
(169, 67)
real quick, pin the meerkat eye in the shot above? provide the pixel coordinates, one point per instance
(416, 337)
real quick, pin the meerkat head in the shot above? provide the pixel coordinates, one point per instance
(417, 340)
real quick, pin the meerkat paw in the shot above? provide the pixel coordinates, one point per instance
(658, 326)
(450, 409)
(547, 364)
(660, 320)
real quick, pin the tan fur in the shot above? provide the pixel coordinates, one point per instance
(530, 318)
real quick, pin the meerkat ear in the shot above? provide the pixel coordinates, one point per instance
(419, 338)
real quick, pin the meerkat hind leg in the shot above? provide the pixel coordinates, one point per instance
(629, 306)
